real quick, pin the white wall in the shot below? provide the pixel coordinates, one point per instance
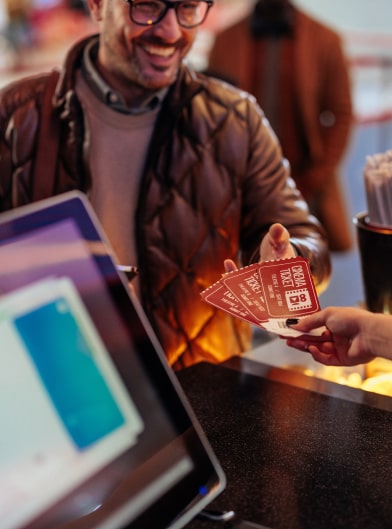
(352, 15)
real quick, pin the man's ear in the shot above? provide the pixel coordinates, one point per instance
(95, 7)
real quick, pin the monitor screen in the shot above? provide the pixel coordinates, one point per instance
(96, 432)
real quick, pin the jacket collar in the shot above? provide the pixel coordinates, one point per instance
(67, 80)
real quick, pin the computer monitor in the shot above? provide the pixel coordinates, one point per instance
(96, 432)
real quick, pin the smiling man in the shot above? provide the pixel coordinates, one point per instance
(145, 54)
(183, 171)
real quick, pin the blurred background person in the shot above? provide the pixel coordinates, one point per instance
(296, 68)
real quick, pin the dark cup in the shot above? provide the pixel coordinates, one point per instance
(375, 251)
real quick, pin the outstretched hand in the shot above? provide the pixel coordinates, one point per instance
(275, 245)
(347, 340)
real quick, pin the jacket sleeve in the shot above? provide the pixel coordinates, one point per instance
(270, 195)
(19, 128)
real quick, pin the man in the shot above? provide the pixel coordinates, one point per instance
(183, 172)
(296, 68)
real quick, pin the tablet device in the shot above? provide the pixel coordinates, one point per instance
(96, 431)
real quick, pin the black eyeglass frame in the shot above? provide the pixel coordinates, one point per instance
(169, 5)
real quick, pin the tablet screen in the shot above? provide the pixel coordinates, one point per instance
(97, 431)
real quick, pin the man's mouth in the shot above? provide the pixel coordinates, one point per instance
(159, 51)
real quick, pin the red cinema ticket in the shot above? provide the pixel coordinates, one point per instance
(220, 296)
(246, 286)
(268, 294)
(288, 287)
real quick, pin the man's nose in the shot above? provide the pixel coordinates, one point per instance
(169, 26)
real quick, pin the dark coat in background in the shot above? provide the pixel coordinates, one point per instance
(321, 117)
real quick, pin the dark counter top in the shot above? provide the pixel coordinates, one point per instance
(297, 453)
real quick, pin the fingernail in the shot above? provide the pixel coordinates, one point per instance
(291, 321)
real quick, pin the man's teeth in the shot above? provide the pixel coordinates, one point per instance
(159, 50)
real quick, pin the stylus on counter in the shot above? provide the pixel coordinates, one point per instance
(130, 271)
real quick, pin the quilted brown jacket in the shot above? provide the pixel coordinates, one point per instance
(214, 181)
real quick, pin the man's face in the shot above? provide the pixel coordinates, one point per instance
(139, 57)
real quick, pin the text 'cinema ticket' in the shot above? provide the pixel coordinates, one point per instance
(268, 294)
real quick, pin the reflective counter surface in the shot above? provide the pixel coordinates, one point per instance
(298, 452)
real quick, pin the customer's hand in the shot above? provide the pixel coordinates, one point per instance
(354, 336)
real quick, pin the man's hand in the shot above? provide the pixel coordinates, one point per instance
(276, 244)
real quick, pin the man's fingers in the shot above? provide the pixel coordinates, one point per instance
(229, 265)
(279, 234)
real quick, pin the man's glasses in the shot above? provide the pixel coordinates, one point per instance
(149, 12)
